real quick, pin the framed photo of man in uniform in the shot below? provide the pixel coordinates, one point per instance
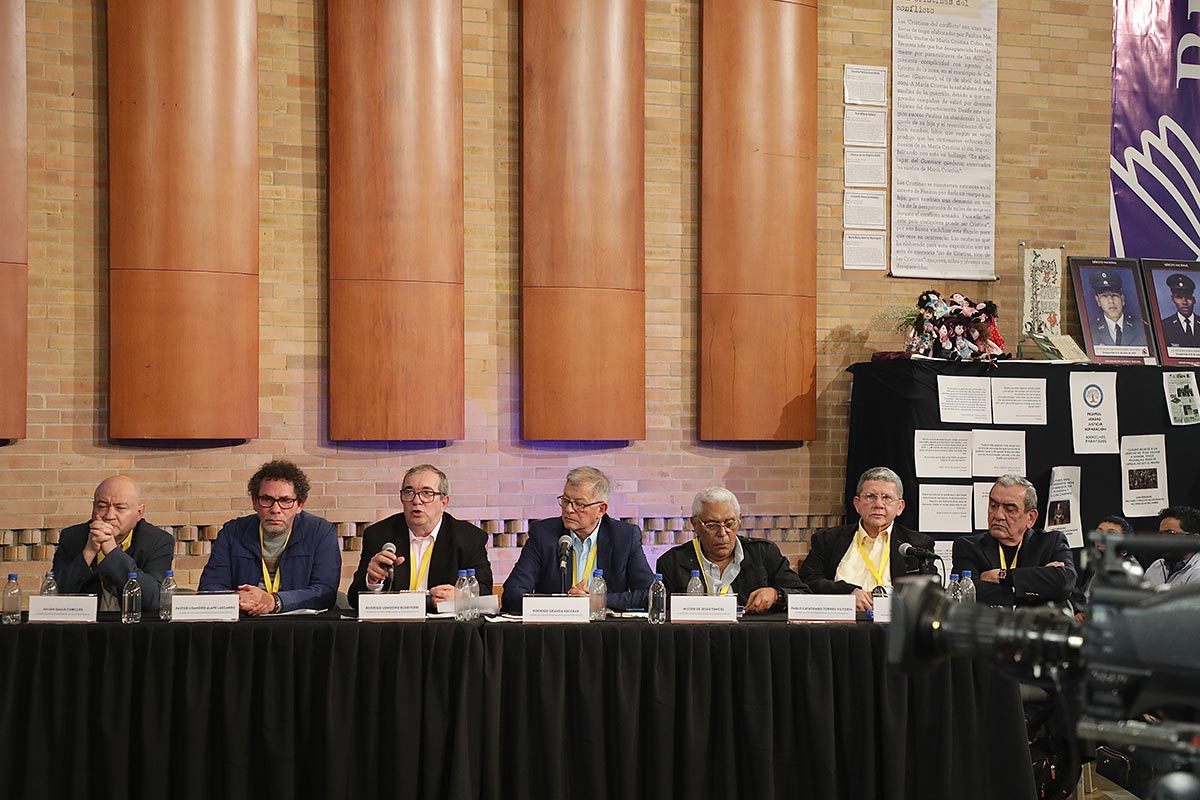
(1172, 290)
(1112, 310)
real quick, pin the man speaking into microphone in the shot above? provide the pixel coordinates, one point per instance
(561, 552)
(422, 548)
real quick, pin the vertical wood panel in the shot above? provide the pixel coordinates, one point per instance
(583, 219)
(183, 209)
(758, 221)
(14, 227)
(395, 220)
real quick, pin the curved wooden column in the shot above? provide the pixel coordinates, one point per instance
(14, 227)
(583, 328)
(758, 220)
(395, 220)
(183, 219)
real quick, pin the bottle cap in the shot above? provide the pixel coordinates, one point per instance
(599, 573)
(953, 576)
(967, 573)
(462, 573)
(50, 574)
(470, 572)
(133, 575)
(169, 573)
(12, 576)
(658, 576)
(695, 573)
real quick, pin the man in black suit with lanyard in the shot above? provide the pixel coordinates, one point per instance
(861, 558)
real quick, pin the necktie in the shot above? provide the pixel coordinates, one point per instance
(1118, 337)
(1187, 328)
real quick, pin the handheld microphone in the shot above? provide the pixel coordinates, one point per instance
(907, 549)
(389, 547)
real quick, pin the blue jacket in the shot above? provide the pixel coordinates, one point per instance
(619, 553)
(310, 567)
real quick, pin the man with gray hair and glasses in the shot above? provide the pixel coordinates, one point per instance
(589, 539)
(1014, 563)
(863, 557)
(753, 569)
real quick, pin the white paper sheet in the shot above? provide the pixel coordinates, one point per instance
(1019, 401)
(981, 490)
(864, 208)
(965, 399)
(1063, 511)
(945, 508)
(865, 127)
(865, 168)
(864, 250)
(1143, 474)
(942, 454)
(995, 453)
(1179, 389)
(1094, 412)
(865, 85)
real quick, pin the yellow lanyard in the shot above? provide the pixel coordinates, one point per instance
(415, 576)
(1004, 561)
(124, 546)
(877, 574)
(271, 582)
(590, 565)
(704, 572)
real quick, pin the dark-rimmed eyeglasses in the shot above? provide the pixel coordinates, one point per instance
(426, 495)
(266, 501)
(578, 505)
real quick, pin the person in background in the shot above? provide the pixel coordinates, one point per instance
(1176, 570)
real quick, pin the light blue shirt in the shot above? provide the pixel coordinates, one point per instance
(583, 550)
(717, 581)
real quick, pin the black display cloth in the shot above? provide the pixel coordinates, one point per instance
(327, 708)
(890, 400)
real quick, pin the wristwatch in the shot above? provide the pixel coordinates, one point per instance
(1001, 574)
(278, 604)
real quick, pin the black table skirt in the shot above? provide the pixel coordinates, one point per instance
(329, 708)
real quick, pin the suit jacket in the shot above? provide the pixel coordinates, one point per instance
(1133, 333)
(149, 555)
(618, 552)
(1031, 582)
(762, 565)
(310, 567)
(459, 545)
(828, 547)
(1173, 332)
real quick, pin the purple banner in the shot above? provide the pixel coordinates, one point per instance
(1156, 129)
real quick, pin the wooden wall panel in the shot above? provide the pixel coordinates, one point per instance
(14, 228)
(758, 220)
(395, 220)
(183, 209)
(582, 218)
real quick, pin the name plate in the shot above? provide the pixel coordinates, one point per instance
(390, 606)
(704, 608)
(488, 605)
(820, 608)
(205, 607)
(555, 608)
(63, 607)
(883, 609)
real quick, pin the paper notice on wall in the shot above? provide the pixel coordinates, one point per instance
(1182, 402)
(981, 492)
(965, 399)
(865, 85)
(864, 208)
(865, 127)
(1143, 474)
(1019, 401)
(945, 508)
(1062, 504)
(865, 168)
(995, 453)
(942, 454)
(1094, 412)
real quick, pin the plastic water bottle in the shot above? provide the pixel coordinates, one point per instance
(166, 596)
(49, 585)
(966, 588)
(460, 597)
(12, 601)
(598, 590)
(952, 588)
(696, 584)
(472, 595)
(131, 600)
(656, 606)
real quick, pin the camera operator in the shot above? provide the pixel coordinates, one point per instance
(1185, 568)
(1016, 564)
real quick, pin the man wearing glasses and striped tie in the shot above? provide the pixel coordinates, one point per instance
(753, 569)
(429, 546)
(587, 539)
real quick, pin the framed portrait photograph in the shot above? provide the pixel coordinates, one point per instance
(1171, 286)
(1112, 310)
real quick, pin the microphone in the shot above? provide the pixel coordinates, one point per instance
(907, 549)
(389, 547)
(564, 549)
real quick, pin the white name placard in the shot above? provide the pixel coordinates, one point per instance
(63, 607)
(205, 607)
(555, 608)
(820, 608)
(703, 608)
(488, 605)
(407, 605)
(883, 609)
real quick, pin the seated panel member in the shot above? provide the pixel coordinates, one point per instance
(754, 569)
(1013, 562)
(280, 558)
(431, 545)
(854, 559)
(1178, 569)
(598, 542)
(96, 557)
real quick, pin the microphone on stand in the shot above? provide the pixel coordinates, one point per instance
(907, 549)
(564, 558)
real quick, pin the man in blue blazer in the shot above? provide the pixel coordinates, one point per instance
(597, 542)
(281, 557)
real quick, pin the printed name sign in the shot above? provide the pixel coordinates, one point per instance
(703, 608)
(63, 607)
(555, 608)
(390, 606)
(820, 608)
(205, 607)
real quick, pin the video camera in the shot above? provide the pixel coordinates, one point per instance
(1135, 658)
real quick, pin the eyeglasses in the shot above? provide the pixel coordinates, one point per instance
(717, 525)
(426, 495)
(266, 501)
(577, 505)
(871, 497)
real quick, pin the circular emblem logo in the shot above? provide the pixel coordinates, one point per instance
(1093, 395)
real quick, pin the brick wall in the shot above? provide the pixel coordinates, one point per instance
(1052, 175)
